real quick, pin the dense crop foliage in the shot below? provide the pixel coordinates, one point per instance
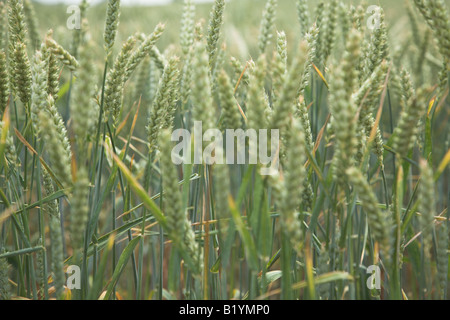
(94, 204)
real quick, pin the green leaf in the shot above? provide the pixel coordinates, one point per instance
(249, 244)
(94, 293)
(126, 254)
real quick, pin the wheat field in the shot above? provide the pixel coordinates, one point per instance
(95, 204)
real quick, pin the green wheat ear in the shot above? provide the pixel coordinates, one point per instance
(142, 83)
(256, 103)
(231, 118)
(378, 49)
(343, 109)
(291, 193)
(3, 26)
(115, 82)
(267, 24)
(32, 22)
(164, 105)
(83, 109)
(405, 134)
(330, 29)
(53, 69)
(111, 24)
(303, 15)
(17, 26)
(378, 220)
(437, 17)
(144, 49)
(39, 93)
(311, 38)
(79, 209)
(179, 226)
(284, 106)
(187, 27)
(54, 135)
(279, 65)
(20, 73)
(4, 83)
(427, 206)
(203, 107)
(215, 23)
(62, 54)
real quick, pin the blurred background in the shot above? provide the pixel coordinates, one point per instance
(124, 2)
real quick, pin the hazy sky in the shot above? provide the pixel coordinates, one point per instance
(124, 2)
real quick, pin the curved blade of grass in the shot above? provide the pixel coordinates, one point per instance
(139, 190)
(321, 279)
(126, 254)
(21, 251)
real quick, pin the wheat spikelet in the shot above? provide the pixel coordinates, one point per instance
(4, 83)
(186, 78)
(54, 135)
(427, 206)
(215, 23)
(279, 65)
(345, 18)
(294, 176)
(16, 21)
(365, 98)
(285, 104)
(143, 50)
(267, 23)
(378, 49)
(436, 15)
(142, 83)
(231, 118)
(38, 90)
(158, 58)
(79, 209)
(256, 103)
(406, 131)
(179, 226)
(201, 91)
(303, 17)
(330, 28)
(162, 111)
(20, 73)
(115, 81)
(311, 38)
(187, 27)
(378, 221)
(32, 23)
(83, 109)
(53, 69)
(343, 109)
(3, 26)
(111, 24)
(62, 54)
